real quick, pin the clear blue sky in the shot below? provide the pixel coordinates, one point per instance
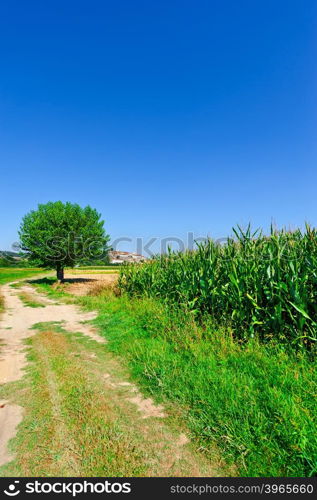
(167, 116)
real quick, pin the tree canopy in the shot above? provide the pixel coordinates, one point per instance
(60, 234)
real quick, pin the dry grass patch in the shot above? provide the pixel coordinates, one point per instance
(30, 300)
(101, 287)
(89, 286)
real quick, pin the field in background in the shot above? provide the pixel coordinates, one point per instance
(109, 267)
(79, 280)
(8, 274)
(93, 270)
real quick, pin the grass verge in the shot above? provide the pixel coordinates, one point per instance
(8, 274)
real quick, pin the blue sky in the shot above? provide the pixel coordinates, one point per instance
(168, 116)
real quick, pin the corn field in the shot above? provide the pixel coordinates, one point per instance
(257, 285)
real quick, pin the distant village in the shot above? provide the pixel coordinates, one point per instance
(118, 257)
(8, 258)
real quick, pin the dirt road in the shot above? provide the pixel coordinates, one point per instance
(148, 445)
(15, 326)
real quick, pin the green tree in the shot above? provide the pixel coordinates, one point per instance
(60, 234)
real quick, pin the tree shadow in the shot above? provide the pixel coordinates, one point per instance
(41, 281)
(52, 281)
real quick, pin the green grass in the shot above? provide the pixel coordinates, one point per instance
(46, 285)
(8, 274)
(29, 300)
(255, 402)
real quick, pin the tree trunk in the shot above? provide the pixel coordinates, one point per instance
(60, 274)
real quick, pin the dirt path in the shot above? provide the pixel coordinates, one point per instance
(115, 401)
(15, 326)
(17, 322)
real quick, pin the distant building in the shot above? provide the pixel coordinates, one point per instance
(117, 257)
